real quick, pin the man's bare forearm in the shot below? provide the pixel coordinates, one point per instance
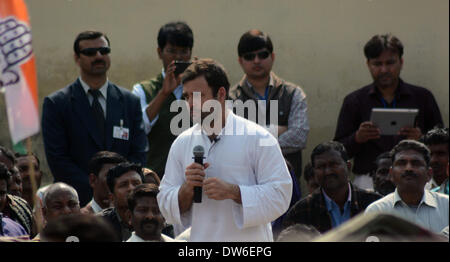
(155, 105)
(185, 198)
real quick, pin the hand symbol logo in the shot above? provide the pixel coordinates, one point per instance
(15, 49)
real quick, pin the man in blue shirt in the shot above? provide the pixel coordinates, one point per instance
(336, 200)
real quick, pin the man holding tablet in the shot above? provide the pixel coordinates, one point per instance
(362, 139)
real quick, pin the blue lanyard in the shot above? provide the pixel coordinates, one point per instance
(266, 92)
(385, 103)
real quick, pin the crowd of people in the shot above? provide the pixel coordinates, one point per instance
(122, 173)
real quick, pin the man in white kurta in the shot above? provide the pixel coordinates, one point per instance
(244, 155)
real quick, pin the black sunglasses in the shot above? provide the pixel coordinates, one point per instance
(261, 55)
(93, 51)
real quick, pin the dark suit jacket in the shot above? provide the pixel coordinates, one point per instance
(71, 136)
(313, 211)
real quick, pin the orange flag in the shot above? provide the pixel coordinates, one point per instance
(17, 70)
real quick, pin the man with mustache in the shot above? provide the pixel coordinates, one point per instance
(336, 200)
(362, 138)
(60, 199)
(146, 218)
(90, 115)
(410, 172)
(437, 141)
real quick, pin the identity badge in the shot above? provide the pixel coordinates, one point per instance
(121, 132)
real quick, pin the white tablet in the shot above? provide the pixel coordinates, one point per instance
(390, 120)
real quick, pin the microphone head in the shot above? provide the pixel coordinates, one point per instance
(198, 151)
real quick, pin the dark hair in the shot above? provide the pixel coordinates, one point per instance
(379, 43)
(86, 228)
(4, 173)
(121, 168)
(328, 146)
(407, 144)
(144, 190)
(8, 154)
(436, 136)
(150, 177)
(87, 35)
(385, 155)
(213, 72)
(254, 40)
(17, 155)
(175, 33)
(104, 157)
(308, 172)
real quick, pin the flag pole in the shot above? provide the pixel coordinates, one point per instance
(38, 217)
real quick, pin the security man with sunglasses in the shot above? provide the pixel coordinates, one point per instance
(256, 58)
(90, 115)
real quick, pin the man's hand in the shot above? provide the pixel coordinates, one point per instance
(171, 81)
(195, 174)
(367, 131)
(410, 132)
(218, 189)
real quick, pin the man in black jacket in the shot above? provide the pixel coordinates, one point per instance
(336, 200)
(121, 180)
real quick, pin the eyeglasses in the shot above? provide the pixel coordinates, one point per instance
(93, 51)
(251, 56)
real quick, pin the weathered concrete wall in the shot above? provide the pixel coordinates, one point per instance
(318, 43)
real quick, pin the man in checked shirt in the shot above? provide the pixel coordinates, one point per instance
(259, 83)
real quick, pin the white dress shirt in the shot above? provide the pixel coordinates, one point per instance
(432, 212)
(139, 91)
(259, 171)
(95, 207)
(431, 184)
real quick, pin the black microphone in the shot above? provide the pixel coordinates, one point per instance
(198, 151)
